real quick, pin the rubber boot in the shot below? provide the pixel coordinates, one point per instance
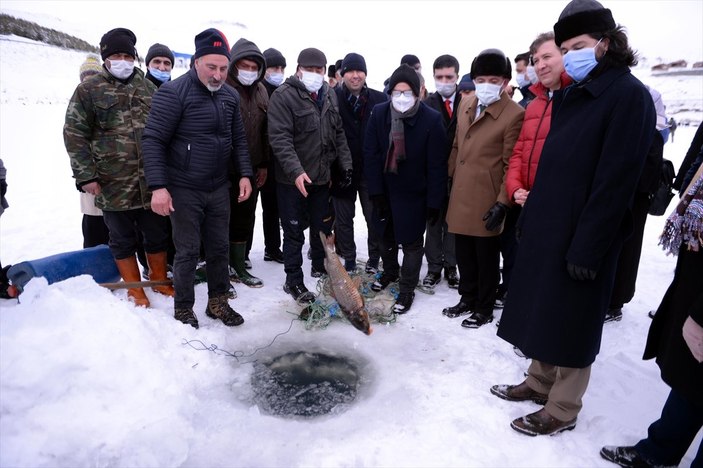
(157, 272)
(237, 255)
(129, 270)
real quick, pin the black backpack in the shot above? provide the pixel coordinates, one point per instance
(660, 199)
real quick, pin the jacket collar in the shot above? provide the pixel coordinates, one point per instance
(494, 110)
(597, 86)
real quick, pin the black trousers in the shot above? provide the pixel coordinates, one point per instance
(242, 215)
(509, 245)
(95, 231)
(126, 227)
(412, 257)
(478, 259)
(269, 213)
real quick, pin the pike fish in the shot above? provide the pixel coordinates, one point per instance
(345, 290)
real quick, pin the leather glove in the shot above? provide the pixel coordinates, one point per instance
(693, 336)
(580, 273)
(495, 216)
(432, 216)
(3, 187)
(380, 205)
(346, 179)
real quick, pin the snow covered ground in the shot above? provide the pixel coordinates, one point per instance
(86, 379)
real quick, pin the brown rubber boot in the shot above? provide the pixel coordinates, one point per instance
(129, 270)
(157, 272)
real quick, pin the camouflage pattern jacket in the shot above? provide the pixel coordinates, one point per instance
(102, 133)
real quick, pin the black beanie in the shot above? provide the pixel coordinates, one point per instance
(353, 61)
(491, 62)
(118, 41)
(312, 57)
(211, 41)
(405, 74)
(410, 59)
(274, 58)
(159, 50)
(582, 17)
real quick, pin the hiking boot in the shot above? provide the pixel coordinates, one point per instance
(315, 273)
(541, 423)
(300, 293)
(219, 308)
(452, 277)
(520, 392)
(476, 320)
(403, 303)
(186, 316)
(273, 256)
(371, 267)
(383, 282)
(625, 456)
(613, 315)
(462, 308)
(432, 279)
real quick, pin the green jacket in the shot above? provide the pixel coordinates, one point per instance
(102, 133)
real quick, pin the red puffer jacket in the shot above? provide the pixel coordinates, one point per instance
(528, 148)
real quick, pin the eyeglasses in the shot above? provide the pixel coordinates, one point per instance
(407, 93)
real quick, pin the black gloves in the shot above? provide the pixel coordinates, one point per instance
(580, 273)
(432, 216)
(380, 205)
(3, 187)
(346, 179)
(495, 216)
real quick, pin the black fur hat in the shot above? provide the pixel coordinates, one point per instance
(491, 62)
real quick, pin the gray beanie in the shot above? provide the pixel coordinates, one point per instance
(582, 17)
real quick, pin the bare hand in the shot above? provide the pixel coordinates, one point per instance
(244, 189)
(693, 336)
(520, 196)
(161, 202)
(300, 183)
(261, 174)
(92, 188)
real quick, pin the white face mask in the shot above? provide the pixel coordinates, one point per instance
(532, 74)
(445, 89)
(276, 79)
(487, 93)
(522, 80)
(403, 103)
(121, 69)
(312, 81)
(247, 77)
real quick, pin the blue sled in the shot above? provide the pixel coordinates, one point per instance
(95, 261)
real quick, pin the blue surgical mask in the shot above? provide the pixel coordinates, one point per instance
(162, 76)
(579, 63)
(276, 79)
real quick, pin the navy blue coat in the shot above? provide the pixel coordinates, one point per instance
(578, 211)
(421, 181)
(354, 129)
(192, 134)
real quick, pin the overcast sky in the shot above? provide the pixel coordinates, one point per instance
(380, 30)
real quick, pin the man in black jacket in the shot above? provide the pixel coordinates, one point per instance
(355, 103)
(193, 132)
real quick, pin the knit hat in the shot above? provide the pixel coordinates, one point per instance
(274, 58)
(582, 17)
(159, 50)
(312, 57)
(353, 61)
(491, 62)
(410, 59)
(211, 41)
(116, 41)
(466, 83)
(91, 66)
(405, 74)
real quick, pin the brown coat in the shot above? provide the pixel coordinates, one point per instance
(478, 163)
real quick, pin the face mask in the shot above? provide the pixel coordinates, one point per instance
(579, 63)
(276, 79)
(522, 81)
(121, 69)
(162, 76)
(532, 74)
(247, 77)
(403, 103)
(312, 81)
(445, 89)
(487, 93)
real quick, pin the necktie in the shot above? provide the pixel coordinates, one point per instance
(481, 108)
(448, 106)
(313, 96)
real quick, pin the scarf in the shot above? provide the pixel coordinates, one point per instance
(685, 225)
(396, 148)
(357, 105)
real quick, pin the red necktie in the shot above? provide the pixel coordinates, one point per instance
(448, 106)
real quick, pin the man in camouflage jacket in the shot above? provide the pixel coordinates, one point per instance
(103, 130)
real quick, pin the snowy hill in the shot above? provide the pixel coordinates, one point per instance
(86, 379)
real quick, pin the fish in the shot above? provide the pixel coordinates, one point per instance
(345, 290)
